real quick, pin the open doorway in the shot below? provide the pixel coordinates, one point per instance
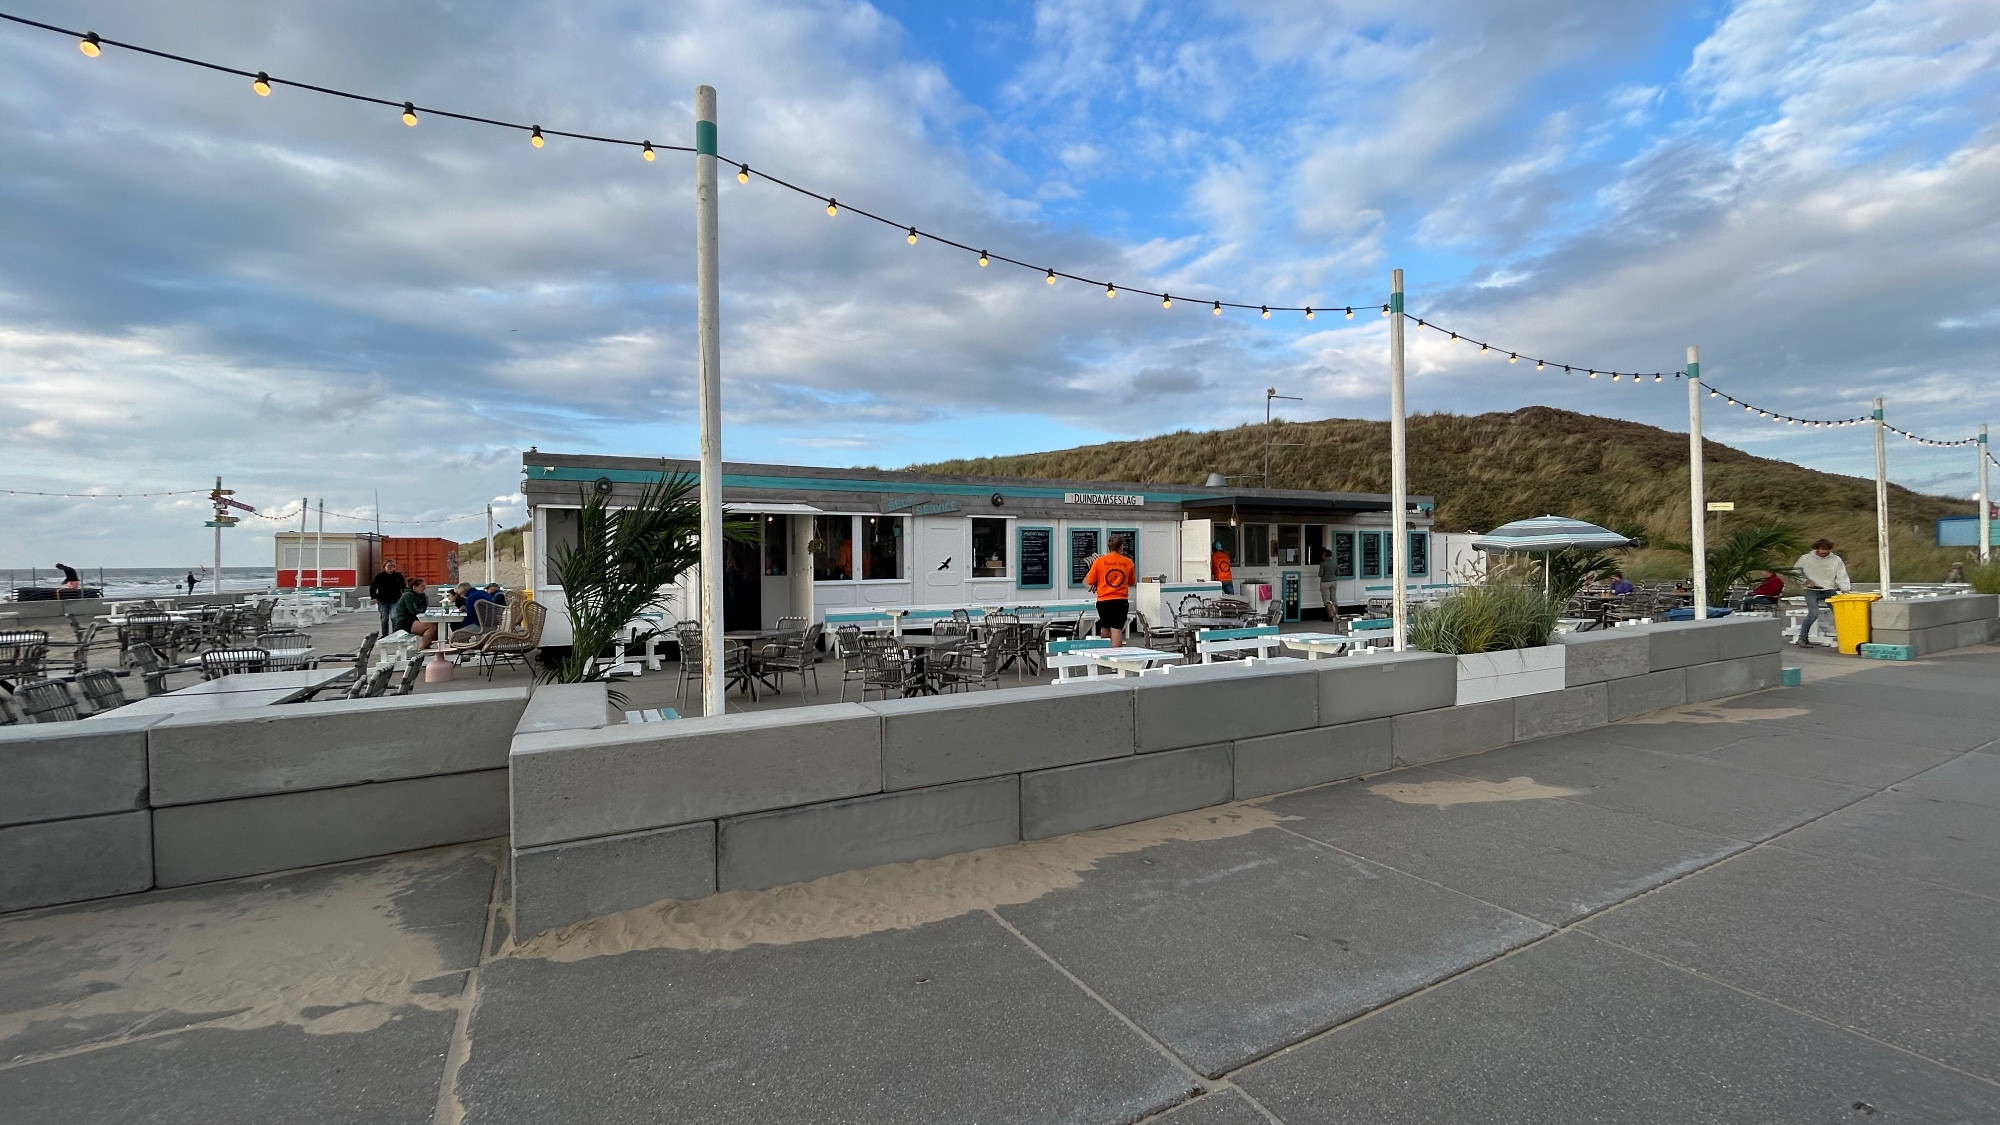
(742, 585)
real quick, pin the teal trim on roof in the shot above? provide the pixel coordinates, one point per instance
(839, 484)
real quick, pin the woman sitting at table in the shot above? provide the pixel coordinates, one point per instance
(403, 615)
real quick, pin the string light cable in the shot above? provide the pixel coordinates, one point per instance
(262, 83)
(363, 517)
(105, 495)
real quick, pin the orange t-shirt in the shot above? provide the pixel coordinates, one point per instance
(1113, 575)
(1218, 566)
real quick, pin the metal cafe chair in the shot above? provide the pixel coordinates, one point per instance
(221, 662)
(22, 653)
(289, 649)
(48, 701)
(100, 686)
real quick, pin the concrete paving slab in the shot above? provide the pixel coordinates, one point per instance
(1224, 1107)
(1227, 950)
(325, 949)
(388, 1074)
(1974, 778)
(1869, 763)
(1573, 1030)
(1942, 729)
(955, 1021)
(1909, 963)
(1524, 848)
(1681, 732)
(1688, 790)
(1908, 698)
(1951, 843)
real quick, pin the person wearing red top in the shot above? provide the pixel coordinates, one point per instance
(1218, 569)
(1112, 575)
(1767, 591)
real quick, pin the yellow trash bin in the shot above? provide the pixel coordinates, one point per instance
(1850, 619)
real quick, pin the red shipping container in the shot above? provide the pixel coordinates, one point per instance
(433, 560)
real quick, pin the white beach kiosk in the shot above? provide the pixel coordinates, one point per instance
(876, 547)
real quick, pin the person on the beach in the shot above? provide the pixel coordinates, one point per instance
(1111, 576)
(408, 608)
(384, 590)
(1824, 575)
(190, 582)
(71, 580)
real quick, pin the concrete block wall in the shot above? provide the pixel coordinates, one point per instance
(116, 806)
(612, 818)
(1930, 625)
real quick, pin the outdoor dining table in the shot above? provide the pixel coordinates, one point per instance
(1317, 645)
(920, 649)
(756, 639)
(444, 619)
(1127, 660)
(229, 693)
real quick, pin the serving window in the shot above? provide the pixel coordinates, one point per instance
(989, 548)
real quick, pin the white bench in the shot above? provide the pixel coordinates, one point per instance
(1257, 640)
(1070, 665)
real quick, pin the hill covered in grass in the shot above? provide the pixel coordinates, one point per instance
(1487, 469)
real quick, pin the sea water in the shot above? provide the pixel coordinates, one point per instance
(131, 582)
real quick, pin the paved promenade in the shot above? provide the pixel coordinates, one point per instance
(1779, 908)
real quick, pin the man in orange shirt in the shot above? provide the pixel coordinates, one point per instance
(1218, 569)
(1111, 575)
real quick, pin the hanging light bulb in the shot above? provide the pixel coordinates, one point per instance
(1052, 277)
(1350, 314)
(1385, 310)
(1110, 290)
(1454, 337)
(1713, 394)
(1513, 357)
(1309, 312)
(646, 152)
(982, 259)
(1264, 311)
(1539, 365)
(913, 236)
(261, 84)
(1593, 373)
(1420, 325)
(1166, 300)
(1482, 349)
(742, 173)
(832, 208)
(89, 44)
(1656, 377)
(409, 115)
(1218, 308)
(535, 137)
(1614, 376)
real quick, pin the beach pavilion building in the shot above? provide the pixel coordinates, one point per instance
(845, 544)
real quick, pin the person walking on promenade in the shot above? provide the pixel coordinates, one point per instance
(1329, 578)
(1111, 576)
(190, 582)
(385, 589)
(1824, 575)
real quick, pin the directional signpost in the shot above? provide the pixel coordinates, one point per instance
(220, 497)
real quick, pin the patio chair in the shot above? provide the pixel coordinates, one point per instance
(100, 686)
(412, 673)
(885, 670)
(221, 662)
(372, 684)
(793, 657)
(791, 624)
(7, 716)
(289, 649)
(969, 665)
(515, 646)
(152, 670)
(687, 636)
(1154, 634)
(737, 669)
(72, 657)
(22, 654)
(48, 701)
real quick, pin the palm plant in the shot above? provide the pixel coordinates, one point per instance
(1745, 554)
(1570, 569)
(623, 563)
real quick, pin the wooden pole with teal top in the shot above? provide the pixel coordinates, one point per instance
(1985, 501)
(1697, 488)
(709, 329)
(1399, 479)
(1882, 496)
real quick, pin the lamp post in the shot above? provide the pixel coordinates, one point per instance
(1399, 480)
(709, 329)
(1269, 394)
(1697, 488)
(1882, 496)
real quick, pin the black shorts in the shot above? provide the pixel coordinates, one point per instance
(1111, 615)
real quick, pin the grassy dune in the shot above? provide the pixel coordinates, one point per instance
(1488, 469)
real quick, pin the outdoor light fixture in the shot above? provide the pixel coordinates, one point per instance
(1309, 312)
(1482, 349)
(1538, 365)
(261, 84)
(742, 173)
(982, 259)
(913, 236)
(832, 208)
(535, 137)
(409, 115)
(89, 44)
(646, 152)
(1513, 357)
(1218, 308)
(1350, 314)
(1166, 300)
(1052, 277)
(1110, 290)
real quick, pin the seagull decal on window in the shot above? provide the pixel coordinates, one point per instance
(946, 564)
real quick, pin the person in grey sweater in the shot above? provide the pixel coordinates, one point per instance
(1824, 575)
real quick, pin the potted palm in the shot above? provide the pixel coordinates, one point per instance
(1501, 636)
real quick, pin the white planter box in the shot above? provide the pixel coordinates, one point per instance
(1486, 676)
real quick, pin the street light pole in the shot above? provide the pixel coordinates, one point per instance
(1269, 394)
(1399, 480)
(709, 327)
(1697, 488)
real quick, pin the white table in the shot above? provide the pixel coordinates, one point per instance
(1318, 645)
(231, 693)
(1128, 660)
(444, 619)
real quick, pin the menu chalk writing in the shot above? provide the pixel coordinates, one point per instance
(1038, 557)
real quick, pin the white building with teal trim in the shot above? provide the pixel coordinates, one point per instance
(854, 544)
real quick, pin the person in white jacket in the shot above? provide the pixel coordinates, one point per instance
(1824, 575)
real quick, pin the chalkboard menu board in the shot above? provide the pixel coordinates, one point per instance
(1371, 554)
(1420, 555)
(1038, 557)
(1343, 553)
(1084, 545)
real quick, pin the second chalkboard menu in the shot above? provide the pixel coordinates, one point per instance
(1038, 557)
(1084, 545)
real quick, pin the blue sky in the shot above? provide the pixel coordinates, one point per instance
(311, 299)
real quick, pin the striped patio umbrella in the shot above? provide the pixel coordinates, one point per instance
(1548, 533)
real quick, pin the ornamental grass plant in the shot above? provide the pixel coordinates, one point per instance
(1485, 619)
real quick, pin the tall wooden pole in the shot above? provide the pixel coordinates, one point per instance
(1399, 477)
(489, 544)
(1882, 496)
(709, 327)
(319, 548)
(1985, 501)
(1697, 488)
(215, 580)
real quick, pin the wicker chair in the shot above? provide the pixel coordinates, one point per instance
(100, 686)
(221, 662)
(48, 701)
(515, 646)
(970, 665)
(885, 670)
